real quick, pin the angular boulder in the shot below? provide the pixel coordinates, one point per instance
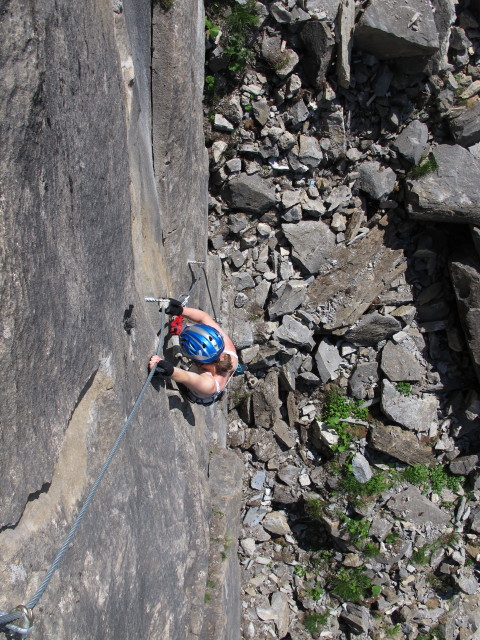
(349, 289)
(449, 192)
(465, 124)
(375, 179)
(465, 274)
(385, 29)
(319, 43)
(400, 364)
(400, 444)
(372, 329)
(249, 193)
(413, 413)
(411, 143)
(312, 244)
(412, 506)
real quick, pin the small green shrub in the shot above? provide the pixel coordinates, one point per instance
(370, 550)
(435, 478)
(357, 528)
(404, 387)
(351, 585)
(211, 30)
(426, 166)
(209, 84)
(315, 592)
(300, 570)
(314, 508)
(314, 622)
(338, 406)
(421, 555)
(243, 18)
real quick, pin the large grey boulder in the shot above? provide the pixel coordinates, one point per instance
(411, 506)
(413, 413)
(319, 43)
(249, 193)
(448, 193)
(398, 363)
(465, 274)
(372, 328)
(312, 244)
(288, 297)
(465, 124)
(294, 332)
(375, 179)
(363, 378)
(349, 289)
(385, 29)
(327, 359)
(411, 143)
(401, 444)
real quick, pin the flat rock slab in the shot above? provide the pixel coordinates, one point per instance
(376, 179)
(400, 444)
(412, 506)
(372, 328)
(327, 359)
(465, 274)
(416, 414)
(349, 288)
(465, 125)
(450, 192)
(400, 364)
(385, 29)
(412, 141)
(312, 244)
(287, 298)
(293, 332)
(249, 193)
(319, 43)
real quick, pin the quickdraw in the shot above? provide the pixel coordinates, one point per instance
(176, 325)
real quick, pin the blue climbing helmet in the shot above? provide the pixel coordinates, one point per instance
(201, 343)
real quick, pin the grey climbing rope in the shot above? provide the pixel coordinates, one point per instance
(5, 619)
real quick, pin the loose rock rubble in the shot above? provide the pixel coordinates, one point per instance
(336, 180)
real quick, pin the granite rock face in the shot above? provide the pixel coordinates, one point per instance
(88, 230)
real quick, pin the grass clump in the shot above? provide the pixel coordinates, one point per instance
(338, 407)
(314, 508)
(352, 585)
(434, 478)
(314, 622)
(426, 166)
(404, 387)
(376, 485)
(357, 528)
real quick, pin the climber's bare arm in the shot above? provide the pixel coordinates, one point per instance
(201, 384)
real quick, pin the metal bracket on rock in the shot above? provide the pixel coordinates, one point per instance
(24, 624)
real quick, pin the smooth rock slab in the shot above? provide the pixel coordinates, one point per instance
(276, 522)
(375, 179)
(249, 193)
(400, 444)
(449, 193)
(411, 143)
(400, 364)
(465, 125)
(356, 617)
(319, 43)
(385, 29)
(312, 244)
(416, 414)
(294, 332)
(289, 297)
(465, 274)
(327, 359)
(372, 328)
(411, 505)
(360, 468)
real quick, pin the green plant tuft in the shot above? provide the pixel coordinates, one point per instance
(351, 585)
(314, 622)
(426, 166)
(404, 387)
(338, 406)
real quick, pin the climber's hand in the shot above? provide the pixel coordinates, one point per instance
(164, 369)
(174, 308)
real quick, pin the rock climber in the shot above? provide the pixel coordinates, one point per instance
(211, 349)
